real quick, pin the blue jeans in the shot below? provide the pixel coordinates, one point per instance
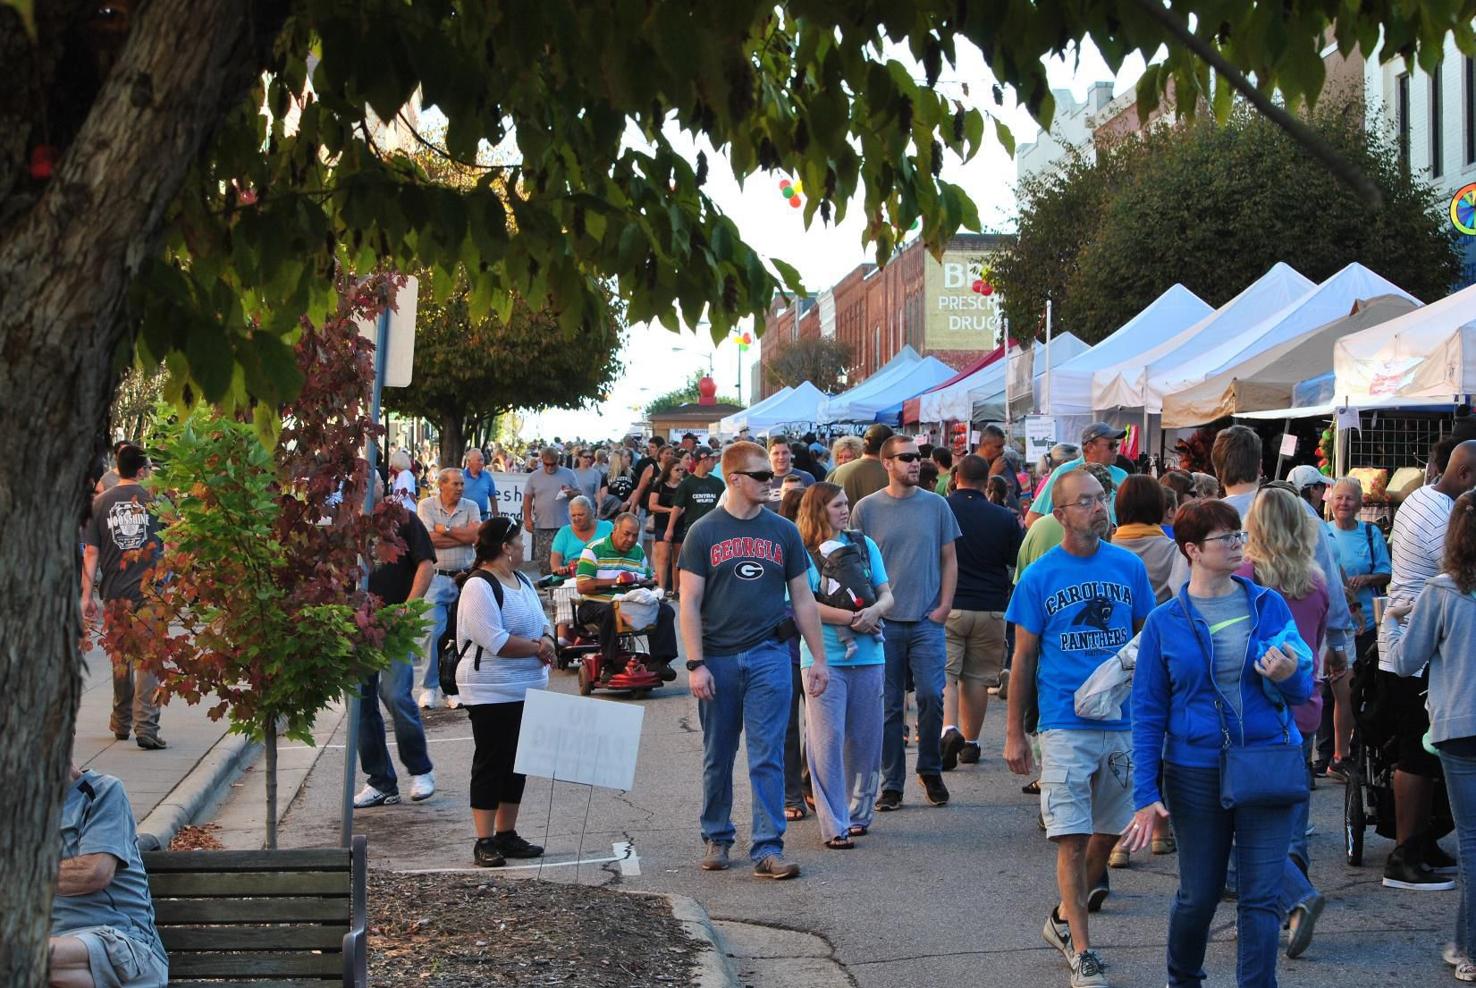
(1206, 832)
(392, 687)
(442, 594)
(1460, 783)
(920, 646)
(752, 693)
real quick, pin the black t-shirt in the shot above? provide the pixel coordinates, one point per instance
(989, 544)
(123, 521)
(621, 487)
(392, 581)
(696, 496)
(640, 471)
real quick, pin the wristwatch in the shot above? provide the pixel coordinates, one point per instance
(694, 664)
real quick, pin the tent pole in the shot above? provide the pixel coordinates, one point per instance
(1280, 454)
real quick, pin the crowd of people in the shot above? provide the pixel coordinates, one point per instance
(1179, 653)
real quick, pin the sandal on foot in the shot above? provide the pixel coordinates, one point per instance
(840, 843)
(1031, 788)
(793, 813)
(857, 830)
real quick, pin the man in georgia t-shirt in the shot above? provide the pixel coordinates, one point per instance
(736, 565)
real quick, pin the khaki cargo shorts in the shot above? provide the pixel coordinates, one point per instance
(975, 641)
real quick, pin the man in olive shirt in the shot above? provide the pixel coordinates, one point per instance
(697, 494)
(865, 475)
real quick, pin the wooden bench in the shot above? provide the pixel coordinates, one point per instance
(270, 919)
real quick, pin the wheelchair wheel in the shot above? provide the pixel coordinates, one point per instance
(586, 686)
(1355, 819)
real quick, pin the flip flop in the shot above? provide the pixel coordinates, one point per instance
(793, 813)
(1031, 788)
(840, 843)
(857, 830)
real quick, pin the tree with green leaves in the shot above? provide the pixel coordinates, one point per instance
(470, 370)
(822, 361)
(1213, 205)
(186, 177)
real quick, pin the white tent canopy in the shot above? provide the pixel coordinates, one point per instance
(1425, 355)
(800, 404)
(738, 421)
(1066, 348)
(955, 403)
(1268, 294)
(904, 376)
(1333, 299)
(1164, 318)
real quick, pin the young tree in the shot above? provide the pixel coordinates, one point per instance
(470, 370)
(822, 362)
(168, 178)
(256, 603)
(1213, 205)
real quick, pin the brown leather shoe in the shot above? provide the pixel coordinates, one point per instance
(774, 866)
(716, 858)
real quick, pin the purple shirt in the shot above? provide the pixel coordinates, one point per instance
(1310, 615)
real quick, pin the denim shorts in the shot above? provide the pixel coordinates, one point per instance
(1086, 781)
(120, 960)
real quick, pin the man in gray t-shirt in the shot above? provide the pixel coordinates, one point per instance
(915, 530)
(546, 495)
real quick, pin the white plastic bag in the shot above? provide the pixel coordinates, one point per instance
(640, 607)
(1105, 691)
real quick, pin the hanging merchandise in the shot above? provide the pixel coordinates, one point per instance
(1324, 451)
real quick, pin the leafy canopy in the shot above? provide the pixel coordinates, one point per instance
(1214, 206)
(586, 95)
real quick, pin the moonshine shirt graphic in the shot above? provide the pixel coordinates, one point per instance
(746, 565)
(1082, 610)
(122, 522)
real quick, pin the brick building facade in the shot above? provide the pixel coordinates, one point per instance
(877, 311)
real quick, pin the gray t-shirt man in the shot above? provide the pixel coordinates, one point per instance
(550, 502)
(123, 521)
(911, 532)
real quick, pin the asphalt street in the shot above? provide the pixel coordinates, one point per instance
(933, 896)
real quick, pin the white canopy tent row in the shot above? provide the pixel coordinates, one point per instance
(799, 406)
(1125, 389)
(1329, 301)
(904, 376)
(730, 425)
(1267, 379)
(1427, 355)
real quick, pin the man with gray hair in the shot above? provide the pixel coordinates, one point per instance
(452, 521)
(546, 495)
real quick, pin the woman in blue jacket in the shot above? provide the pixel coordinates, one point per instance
(1218, 665)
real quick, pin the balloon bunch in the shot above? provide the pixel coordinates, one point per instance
(1325, 443)
(744, 340)
(791, 191)
(982, 285)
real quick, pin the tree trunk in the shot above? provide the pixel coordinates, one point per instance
(66, 261)
(453, 439)
(271, 783)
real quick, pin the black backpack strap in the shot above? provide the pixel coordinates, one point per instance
(1368, 534)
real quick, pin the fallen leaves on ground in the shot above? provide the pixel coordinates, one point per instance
(201, 838)
(459, 931)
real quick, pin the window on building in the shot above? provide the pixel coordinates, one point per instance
(1468, 85)
(1437, 128)
(1401, 116)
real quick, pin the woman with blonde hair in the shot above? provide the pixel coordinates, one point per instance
(844, 450)
(1280, 553)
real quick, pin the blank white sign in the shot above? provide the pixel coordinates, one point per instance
(579, 739)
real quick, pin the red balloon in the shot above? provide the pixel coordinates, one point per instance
(795, 202)
(986, 288)
(784, 185)
(978, 286)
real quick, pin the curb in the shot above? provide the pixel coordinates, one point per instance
(204, 783)
(714, 966)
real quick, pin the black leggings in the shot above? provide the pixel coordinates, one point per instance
(495, 727)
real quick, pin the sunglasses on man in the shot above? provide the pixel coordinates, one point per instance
(762, 476)
(906, 457)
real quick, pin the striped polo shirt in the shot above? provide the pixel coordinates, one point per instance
(602, 561)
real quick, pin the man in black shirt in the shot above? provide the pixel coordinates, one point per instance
(975, 631)
(407, 577)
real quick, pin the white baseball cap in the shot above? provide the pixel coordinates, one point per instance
(1305, 476)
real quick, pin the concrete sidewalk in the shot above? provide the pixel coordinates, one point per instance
(167, 788)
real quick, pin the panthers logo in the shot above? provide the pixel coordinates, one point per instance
(1096, 613)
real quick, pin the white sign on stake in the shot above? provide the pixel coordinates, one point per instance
(1288, 444)
(510, 487)
(400, 353)
(579, 739)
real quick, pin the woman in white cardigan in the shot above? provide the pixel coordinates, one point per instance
(505, 651)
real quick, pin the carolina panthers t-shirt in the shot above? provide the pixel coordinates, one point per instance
(747, 565)
(1082, 608)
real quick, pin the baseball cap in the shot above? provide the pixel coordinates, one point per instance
(1101, 430)
(1306, 476)
(878, 434)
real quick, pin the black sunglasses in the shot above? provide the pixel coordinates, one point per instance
(906, 457)
(762, 476)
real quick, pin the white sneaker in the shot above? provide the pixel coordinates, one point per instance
(422, 786)
(369, 796)
(430, 699)
(1452, 954)
(1466, 970)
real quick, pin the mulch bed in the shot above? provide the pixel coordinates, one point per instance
(459, 931)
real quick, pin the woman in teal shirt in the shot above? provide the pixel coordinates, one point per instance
(844, 724)
(1363, 556)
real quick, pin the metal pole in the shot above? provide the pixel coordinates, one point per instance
(1046, 404)
(371, 453)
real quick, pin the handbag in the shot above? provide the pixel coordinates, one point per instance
(1265, 776)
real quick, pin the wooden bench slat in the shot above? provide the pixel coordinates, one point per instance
(296, 859)
(239, 965)
(207, 885)
(192, 912)
(255, 982)
(186, 939)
